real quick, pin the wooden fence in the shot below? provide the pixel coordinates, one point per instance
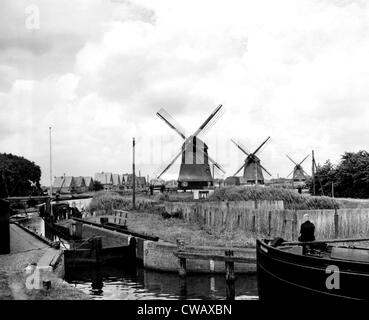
(329, 224)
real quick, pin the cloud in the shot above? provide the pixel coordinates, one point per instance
(97, 72)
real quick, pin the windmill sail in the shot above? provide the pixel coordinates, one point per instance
(195, 170)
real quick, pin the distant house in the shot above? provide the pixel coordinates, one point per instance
(232, 181)
(124, 180)
(105, 178)
(218, 183)
(89, 182)
(140, 182)
(79, 184)
(63, 184)
(116, 181)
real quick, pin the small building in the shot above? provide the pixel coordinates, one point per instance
(124, 180)
(63, 184)
(116, 181)
(232, 181)
(218, 183)
(140, 182)
(89, 182)
(80, 185)
(105, 178)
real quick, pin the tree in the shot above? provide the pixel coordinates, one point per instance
(353, 175)
(323, 178)
(18, 176)
(350, 177)
(97, 186)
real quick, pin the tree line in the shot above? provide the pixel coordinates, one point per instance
(18, 176)
(348, 179)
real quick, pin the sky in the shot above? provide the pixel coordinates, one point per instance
(97, 71)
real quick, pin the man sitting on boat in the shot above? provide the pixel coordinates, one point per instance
(307, 229)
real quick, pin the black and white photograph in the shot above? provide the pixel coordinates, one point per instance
(202, 153)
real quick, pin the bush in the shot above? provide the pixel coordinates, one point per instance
(108, 201)
(97, 186)
(291, 199)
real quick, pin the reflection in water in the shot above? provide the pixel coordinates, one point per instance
(131, 282)
(119, 282)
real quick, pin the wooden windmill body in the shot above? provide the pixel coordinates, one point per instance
(194, 170)
(253, 170)
(299, 175)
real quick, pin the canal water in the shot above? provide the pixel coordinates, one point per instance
(137, 283)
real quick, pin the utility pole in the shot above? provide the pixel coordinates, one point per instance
(332, 189)
(312, 172)
(133, 178)
(51, 176)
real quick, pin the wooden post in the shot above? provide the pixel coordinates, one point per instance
(253, 223)
(283, 223)
(336, 226)
(125, 220)
(230, 290)
(229, 266)
(294, 226)
(269, 223)
(312, 171)
(133, 178)
(230, 276)
(182, 261)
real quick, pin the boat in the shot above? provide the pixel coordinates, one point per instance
(316, 270)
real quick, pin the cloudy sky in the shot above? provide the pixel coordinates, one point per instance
(97, 71)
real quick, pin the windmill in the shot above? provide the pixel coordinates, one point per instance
(253, 170)
(299, 174)
(195, 170)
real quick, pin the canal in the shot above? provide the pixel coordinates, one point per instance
(137, 283)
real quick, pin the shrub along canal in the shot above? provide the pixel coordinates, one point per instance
(135, 282)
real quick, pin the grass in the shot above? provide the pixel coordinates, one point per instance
(108, 201)
(349, 203)
(148, 221)
(170, 230)
(291, 199)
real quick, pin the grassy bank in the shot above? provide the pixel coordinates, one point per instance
(107, 201)
(291, 199)
(171, 229)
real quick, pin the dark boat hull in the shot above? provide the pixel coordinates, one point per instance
(285, 275)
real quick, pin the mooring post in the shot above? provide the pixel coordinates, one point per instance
(284, 221)
(269, 223)
(182, 261)
(336, 226)
(229, 266)
(294, 225)
(230, 290)
(230, 276)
